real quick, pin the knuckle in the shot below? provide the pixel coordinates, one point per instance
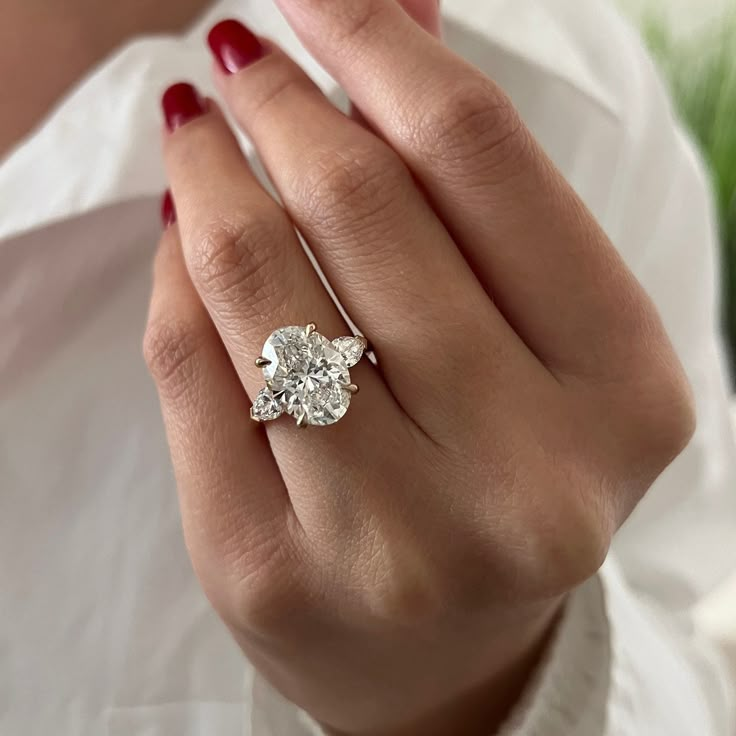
(473, 124)
(577, 555)
(269, 594)
(407, 601)
(408, 592)
(681, 420)
(357, 18)
(642, 390)
(649, 399)
(267, 607)
(253, 573)
(398, 580)
(563, 550)
(170, 347)
(554, 534)
(343, 187)
(661, 417)
(279, 84)
(234, 262)
(346, 22)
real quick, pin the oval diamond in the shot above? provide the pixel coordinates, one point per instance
(307, 374)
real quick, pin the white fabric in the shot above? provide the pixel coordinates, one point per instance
(103, 629)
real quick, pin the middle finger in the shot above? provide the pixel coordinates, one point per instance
(384, 251)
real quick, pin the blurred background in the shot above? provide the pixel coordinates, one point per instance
(694, 44)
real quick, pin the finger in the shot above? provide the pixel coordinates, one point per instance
(388, 257)
(240, 248)
(536, 249)
(426, 13)
(229, 486)
(253, 277)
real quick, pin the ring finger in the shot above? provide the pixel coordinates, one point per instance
(252, 275)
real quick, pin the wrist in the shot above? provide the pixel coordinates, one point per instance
(482, 710)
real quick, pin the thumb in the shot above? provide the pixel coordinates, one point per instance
(426, 13)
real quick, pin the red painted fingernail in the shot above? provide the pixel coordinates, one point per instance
(234, 46)
(181, 103)
(168, 211)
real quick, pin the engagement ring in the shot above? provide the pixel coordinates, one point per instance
(307, 376)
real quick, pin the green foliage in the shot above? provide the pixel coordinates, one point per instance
(702, 75)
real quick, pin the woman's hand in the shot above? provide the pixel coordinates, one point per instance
(398, 572)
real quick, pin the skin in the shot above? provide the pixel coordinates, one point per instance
(400, 572)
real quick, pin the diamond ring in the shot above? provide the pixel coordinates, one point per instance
(307, 376)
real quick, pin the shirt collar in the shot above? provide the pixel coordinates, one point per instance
(94, 148)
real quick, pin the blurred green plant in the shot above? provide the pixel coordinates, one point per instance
(702, 75)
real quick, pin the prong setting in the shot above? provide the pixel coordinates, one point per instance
(307, 376)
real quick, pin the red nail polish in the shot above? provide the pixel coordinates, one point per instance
(168, 211)
(181, 103)
(234, 46)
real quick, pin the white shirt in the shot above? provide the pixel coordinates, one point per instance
(103, 628)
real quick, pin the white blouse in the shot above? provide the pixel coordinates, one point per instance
(103, 628)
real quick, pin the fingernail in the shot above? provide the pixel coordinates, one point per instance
(234, 46)
(168, 211)
(181, 103)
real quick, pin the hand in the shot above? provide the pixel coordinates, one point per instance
(400, 571)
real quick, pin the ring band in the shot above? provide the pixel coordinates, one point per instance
(307, 376)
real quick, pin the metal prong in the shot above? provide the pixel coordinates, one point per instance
(301, 422)
(254, 418)
(311, 327)
(352, 388)
(367, 347)
(262, 362)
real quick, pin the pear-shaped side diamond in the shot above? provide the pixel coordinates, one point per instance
(351, 349)
(266, 407)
